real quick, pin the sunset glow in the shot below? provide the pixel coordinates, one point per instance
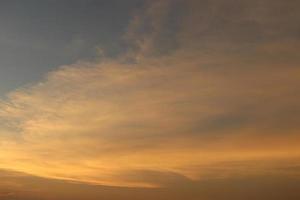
(150, 100)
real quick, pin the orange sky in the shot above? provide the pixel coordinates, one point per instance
(216, 112)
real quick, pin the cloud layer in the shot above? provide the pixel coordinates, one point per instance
(213, 104)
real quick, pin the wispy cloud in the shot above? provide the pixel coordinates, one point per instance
(163, 118)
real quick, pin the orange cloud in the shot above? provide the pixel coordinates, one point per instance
(185, 115)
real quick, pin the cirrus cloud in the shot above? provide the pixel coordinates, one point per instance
(177, 115)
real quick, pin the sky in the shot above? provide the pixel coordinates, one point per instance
(140, 99)
(39, 36)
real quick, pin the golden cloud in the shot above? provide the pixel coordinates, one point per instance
(180, 116)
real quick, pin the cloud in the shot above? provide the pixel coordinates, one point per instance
(133, 124)
(255, 187)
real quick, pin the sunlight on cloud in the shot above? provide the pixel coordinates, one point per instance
(94, 122)
(182, 116)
